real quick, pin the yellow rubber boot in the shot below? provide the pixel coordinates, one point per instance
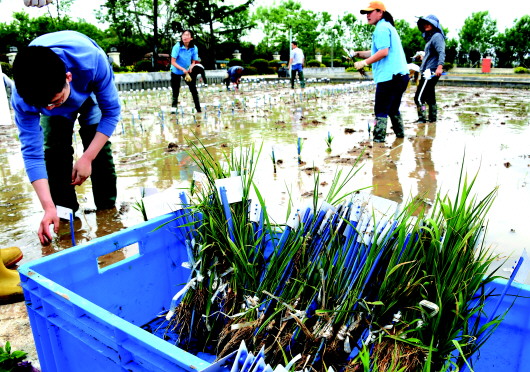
(10, 289)
(10, 255)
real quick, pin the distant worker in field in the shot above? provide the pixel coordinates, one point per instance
(75, 83)
(431, 68)
(198, 70)
(296, 64)
(184, 57)
(234, 74)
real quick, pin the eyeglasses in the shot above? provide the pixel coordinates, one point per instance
(54, 104)
(59, 102)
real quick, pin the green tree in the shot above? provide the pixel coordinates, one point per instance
(515, 43)
(451, 50)
(23, 29)
(411, 38)
(209, 19)
(305, 26)
(236, 26)
(59, 9)
(150, 21)
(477, 36)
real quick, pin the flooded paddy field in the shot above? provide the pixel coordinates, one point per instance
(486, 129)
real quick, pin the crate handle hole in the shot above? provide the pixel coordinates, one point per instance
(120, 254)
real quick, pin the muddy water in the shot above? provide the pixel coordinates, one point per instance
(487, 129)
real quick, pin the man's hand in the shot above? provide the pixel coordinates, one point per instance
(50, 218)
(360, 64)
(37, 3)
(439, 71)
(81, 171)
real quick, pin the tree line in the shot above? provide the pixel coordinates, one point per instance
(139, 27)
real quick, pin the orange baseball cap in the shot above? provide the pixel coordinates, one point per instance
(373, 6)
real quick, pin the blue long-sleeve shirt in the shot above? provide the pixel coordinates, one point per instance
(91, 76)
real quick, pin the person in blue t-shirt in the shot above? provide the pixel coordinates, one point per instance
(389, 68)
(74, 81)
(184, 56)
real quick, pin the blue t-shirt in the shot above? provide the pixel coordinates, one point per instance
(386, 36)
(183, 57)
(92, 76)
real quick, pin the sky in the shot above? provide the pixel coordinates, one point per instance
(452, 13)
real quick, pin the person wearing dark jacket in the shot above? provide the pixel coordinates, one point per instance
(431, 68)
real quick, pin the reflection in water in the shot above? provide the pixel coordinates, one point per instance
(143, 160)
(385, 179)
(89, 225)
(107, 222)
(424, 171)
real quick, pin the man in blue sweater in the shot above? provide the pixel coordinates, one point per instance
(59, 78)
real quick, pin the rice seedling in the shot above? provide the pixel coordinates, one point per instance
(340, 284)
(329, 140)
(140, 206)
(299, 145)
(432, 286)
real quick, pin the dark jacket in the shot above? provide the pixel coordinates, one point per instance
(435, 47)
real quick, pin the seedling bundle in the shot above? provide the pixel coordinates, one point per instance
(349, 282)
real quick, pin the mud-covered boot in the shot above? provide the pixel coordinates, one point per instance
(397, 125)
(10, 289)
(380, 129)
(433, 113)
(422, 114)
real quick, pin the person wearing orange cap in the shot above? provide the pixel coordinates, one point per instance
(389, 68)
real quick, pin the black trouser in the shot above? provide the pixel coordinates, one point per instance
(196, 71)
(175, 87)
(58, 154)
(388, 95)
(300, 77)
(428, 94)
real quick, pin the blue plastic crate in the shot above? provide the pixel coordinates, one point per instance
(85, 318)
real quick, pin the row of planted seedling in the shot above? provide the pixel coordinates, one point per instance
(220, 105)
(347, 282)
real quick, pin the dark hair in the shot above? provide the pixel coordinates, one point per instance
(192, 42)
(294, 42)
(388, 17)
(39, 75)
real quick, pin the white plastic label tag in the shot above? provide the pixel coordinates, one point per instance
(64, 213)
(233, 186)
(294, 220)
(254, 212)
(161, 203)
